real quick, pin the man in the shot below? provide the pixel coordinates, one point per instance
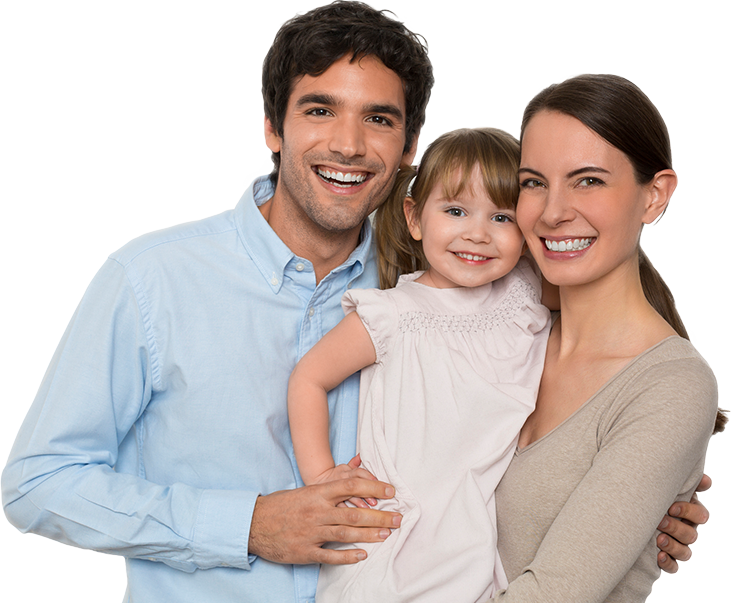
(163, 417)
(160, 431)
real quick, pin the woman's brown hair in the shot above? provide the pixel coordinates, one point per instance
(619, 112)
(448, 161)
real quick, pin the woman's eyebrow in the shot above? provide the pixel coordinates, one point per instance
(585, 170)
(527, 170)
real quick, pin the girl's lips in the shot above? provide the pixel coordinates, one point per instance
(470, 257)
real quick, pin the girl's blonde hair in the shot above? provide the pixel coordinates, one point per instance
(448, 161)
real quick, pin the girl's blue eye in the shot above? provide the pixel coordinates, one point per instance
(503, 218)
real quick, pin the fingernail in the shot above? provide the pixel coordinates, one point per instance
(390, 491)
(664, 524)
(675, 510)
(383, 534)
(662, 541)
(396, 521)
(361, 556)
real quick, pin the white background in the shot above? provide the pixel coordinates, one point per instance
(117, 118)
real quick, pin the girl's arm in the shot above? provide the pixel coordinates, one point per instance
(341, 352)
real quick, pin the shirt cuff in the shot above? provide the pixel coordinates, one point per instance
(222, 530)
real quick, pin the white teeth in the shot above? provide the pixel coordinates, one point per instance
(469, 256)
(568, 245)
(340, 177)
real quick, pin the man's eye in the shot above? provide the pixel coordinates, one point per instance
(379, 119)
(319, 112)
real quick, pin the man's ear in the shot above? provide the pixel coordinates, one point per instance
(408, 157)
(411, 221)
(659, 191)
(273, 139)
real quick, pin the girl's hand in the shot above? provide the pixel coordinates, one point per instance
(347, 471)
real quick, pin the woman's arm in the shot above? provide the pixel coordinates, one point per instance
(341, 352)
(606, 528)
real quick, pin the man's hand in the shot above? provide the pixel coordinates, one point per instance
(290, 526)
(679, 529)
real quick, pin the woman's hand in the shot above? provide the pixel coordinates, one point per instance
(679, 529)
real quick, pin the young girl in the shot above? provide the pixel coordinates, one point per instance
(451, 358)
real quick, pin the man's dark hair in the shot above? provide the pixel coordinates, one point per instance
(309, 44)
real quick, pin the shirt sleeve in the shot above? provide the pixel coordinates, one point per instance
(60, 480)
(649, 451)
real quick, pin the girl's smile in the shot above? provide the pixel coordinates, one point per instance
(468, 241)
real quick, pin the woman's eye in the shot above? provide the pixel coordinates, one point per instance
(531, 183)
(590, 181)
(456, 212)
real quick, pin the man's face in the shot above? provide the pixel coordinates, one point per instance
(344, 136)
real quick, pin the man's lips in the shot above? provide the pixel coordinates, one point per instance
(341, 179)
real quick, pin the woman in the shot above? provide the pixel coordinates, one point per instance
(621, 382)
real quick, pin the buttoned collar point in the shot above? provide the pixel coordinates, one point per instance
(269, 253)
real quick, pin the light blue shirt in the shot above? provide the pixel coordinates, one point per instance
(163, 414)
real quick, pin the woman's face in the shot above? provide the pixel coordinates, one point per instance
(580, 207)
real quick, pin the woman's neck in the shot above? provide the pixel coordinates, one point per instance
(610, 317)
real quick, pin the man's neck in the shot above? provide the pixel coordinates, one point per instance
(325, 250)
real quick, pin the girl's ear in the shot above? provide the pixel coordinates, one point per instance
(411, 221)
(660, 189)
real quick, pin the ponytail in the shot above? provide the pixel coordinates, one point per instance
(398, 252)
(660, 298)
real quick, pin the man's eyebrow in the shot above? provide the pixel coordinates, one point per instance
(316, 98)
(388, 109)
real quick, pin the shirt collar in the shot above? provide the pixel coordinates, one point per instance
(266, 249)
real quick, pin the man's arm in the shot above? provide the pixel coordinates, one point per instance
(679, 529)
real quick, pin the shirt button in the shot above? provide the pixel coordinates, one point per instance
(299, 267)
(274, 281)
(312, 312)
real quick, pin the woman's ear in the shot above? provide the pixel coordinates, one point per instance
(411, 221)
(659, 189)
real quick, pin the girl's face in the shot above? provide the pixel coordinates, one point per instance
(580, 206)
(468, 241)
